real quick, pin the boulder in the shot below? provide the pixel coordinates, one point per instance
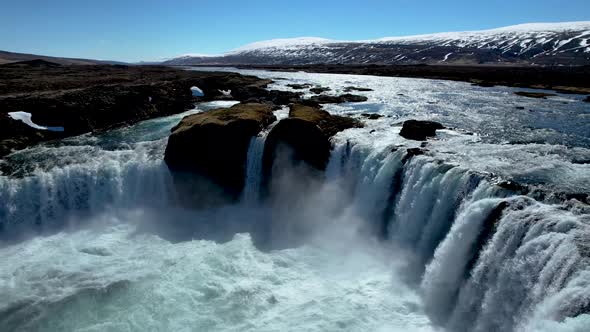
(305, 134)
(207, 152)
(372, 116)
(354, 88)
(412, 152)
(319, 89)
(345, 98)
(587, 99)
(299, 86)
(419, 130)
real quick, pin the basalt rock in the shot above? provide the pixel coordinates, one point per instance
(345, 98)
(303, 138)
(354, 88)
(95, 98)
(319, 89)
(299, 86)
(261, 95)
(412, 152)
(207, 152)
(372, 116)
(419, 130)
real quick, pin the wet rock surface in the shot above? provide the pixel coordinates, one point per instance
(354, 88)
(419, 130)
(319, 89)
(212, 147)
(299, 86)
(303, 137)
(345, 98)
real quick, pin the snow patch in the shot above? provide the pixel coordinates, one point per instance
(285, 43)
(26, 119)
(225, 93)
(197, 92)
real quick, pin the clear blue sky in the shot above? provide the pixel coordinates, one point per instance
(146, 30)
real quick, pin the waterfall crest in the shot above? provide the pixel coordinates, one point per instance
(482, 261)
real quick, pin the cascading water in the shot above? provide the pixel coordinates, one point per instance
(117, 179)
(391, 242)
(253, 181)
(531, 261)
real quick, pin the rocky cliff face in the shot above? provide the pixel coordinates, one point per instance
(207, 151)
(301, 143)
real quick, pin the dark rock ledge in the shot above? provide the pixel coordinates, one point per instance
(207, 152)
(300, 144)
(419, 130)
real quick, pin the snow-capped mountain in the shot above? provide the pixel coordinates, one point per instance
(565, 43)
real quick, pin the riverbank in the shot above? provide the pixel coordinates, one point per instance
(561, 79)
(91, 98)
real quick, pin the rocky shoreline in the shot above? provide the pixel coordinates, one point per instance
(83, 99)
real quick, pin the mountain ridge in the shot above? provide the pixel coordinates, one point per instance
(564, 43)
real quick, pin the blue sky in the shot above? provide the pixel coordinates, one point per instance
(146, 30)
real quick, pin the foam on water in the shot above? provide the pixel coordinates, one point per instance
(113, 279)
(384, 243)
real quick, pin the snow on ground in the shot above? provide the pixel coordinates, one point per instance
(197, 92)
(285, 43)
(26, 118)
(534, 34)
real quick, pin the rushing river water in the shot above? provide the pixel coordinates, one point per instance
(93, 240)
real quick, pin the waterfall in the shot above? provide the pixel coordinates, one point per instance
(483, 261)
(533, 258)
(48, 199)
(253, 179)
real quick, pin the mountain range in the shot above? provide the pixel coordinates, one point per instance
(548, 44)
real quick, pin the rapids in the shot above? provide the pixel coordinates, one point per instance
(92, 238)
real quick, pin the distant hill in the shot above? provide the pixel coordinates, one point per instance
(547, 44)
(11, 57)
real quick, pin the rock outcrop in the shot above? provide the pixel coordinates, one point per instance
(372, 116)
(304, 137)
(419, 130)
(345, 98)
(299, 86)
(94, 98)
(207, 152)
(354, 88)
(257, 94)
(319, 89)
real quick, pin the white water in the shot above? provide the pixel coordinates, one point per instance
(254, 169)
(382, 245)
